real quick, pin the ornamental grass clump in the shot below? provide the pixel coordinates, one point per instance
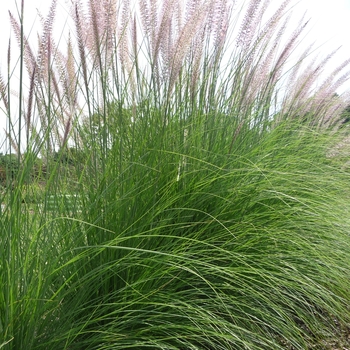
(190, 194)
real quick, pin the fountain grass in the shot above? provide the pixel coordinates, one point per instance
(194, 214)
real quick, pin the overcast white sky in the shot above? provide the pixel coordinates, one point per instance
(329, 26)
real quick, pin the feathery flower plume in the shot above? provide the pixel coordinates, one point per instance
(268, 34)
(148, 12)
(97, 33)
(102, 26)
(28, 118)
(3, 92)
(334, 73)
(197, 53)
(123, 46)
(299, 78)
(277, 70)
(165, 33)
(45, 48)
(135, 47)
(66, 132)
(127, 65)
(9, 55)
(55, 85)
(28, 55)
(183, 42)
(249, 25)
(109, 24)
(153, 15)
(178, 17)
(220, 23)
(256, 81)
(265, 68)
(71, 76)
(81, 47)
(145, 19)
(301, 88)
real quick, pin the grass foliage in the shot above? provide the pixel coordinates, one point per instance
(182, 191)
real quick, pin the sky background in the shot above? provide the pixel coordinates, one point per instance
(329, 27)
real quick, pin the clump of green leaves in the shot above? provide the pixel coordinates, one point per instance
(190, 195)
